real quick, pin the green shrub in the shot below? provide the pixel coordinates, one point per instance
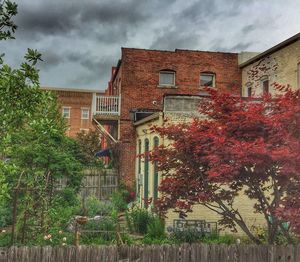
(186, 236)
(5, 239)
(138, 220)
(104, 224)
(219, 239)
(118, 199)
(5, 215)
(156, 229)
(96, 207)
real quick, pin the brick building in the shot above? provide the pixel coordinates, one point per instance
(76, 107)
(142, 78)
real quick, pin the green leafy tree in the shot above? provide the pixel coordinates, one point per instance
(34, 151)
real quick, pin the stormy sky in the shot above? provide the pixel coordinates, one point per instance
(81, 39)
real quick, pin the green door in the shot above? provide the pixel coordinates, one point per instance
(155, 174)
(146, 173)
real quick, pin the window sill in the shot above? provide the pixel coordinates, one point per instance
(203, 87)
(167, 86)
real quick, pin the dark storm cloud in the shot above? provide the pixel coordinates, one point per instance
(92, 72)
(80, 39)
(69, 16)
(50, 59)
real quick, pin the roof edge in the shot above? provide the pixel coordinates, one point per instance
(51, 88)
(271, 50)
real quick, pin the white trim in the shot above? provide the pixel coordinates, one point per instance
(167, 72)
(82, 110)
(63, 115)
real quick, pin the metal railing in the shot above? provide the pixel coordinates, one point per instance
(107, 105)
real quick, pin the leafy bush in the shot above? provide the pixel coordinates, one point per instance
(156, 229)
(138, 220)
(219, 239)
(186, 236)
(118, 199)
(5, 239)
(104, 224)
(5, 215)
(96, 207)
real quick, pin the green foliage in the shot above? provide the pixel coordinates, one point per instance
(5, 214)
(156, 228)
(118, 199)
(186, 236)
(96, 207)
(219, 239)
(106, 224)
(90, 144)
(138, 220)
(8, 10)
(5, 239)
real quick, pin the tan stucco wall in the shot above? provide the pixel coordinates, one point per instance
(242, 203)
(281, 67)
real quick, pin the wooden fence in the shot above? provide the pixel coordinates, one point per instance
(167, 253)
(96, 182)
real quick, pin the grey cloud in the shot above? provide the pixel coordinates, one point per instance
(80, 39)
(248, 28)
(50, 59)
(172, 39)
(52, 18)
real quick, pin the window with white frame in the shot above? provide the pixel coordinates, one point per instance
(207, 79)
(85, 113)
(167, 78)
(66, 112)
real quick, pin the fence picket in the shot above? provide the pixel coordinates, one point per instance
(156, 253)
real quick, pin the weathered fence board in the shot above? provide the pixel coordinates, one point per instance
(156, 253)
(96, 182)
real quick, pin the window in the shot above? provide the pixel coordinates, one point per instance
(66, 112)
(265, 85)
(207, 79)
(167, 78)
(85, 113)
(248, 90)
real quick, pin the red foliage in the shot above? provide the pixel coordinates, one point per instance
(244, 144)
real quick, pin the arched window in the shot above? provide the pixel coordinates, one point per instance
(208, 79)
(264, 81)
(146, 173)
(155, 171)
(167, 77)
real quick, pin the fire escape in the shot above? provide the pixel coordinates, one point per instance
(106, 116)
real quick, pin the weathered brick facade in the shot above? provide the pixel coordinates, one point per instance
(75, 101)
(136, 79)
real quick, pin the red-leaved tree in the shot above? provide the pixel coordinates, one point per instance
(240, 146)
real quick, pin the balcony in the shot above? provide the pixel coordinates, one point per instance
(106, 107)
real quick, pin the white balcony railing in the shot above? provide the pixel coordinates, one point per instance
(107, 105)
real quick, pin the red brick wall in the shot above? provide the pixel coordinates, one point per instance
(76, 101)
(139, 86)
